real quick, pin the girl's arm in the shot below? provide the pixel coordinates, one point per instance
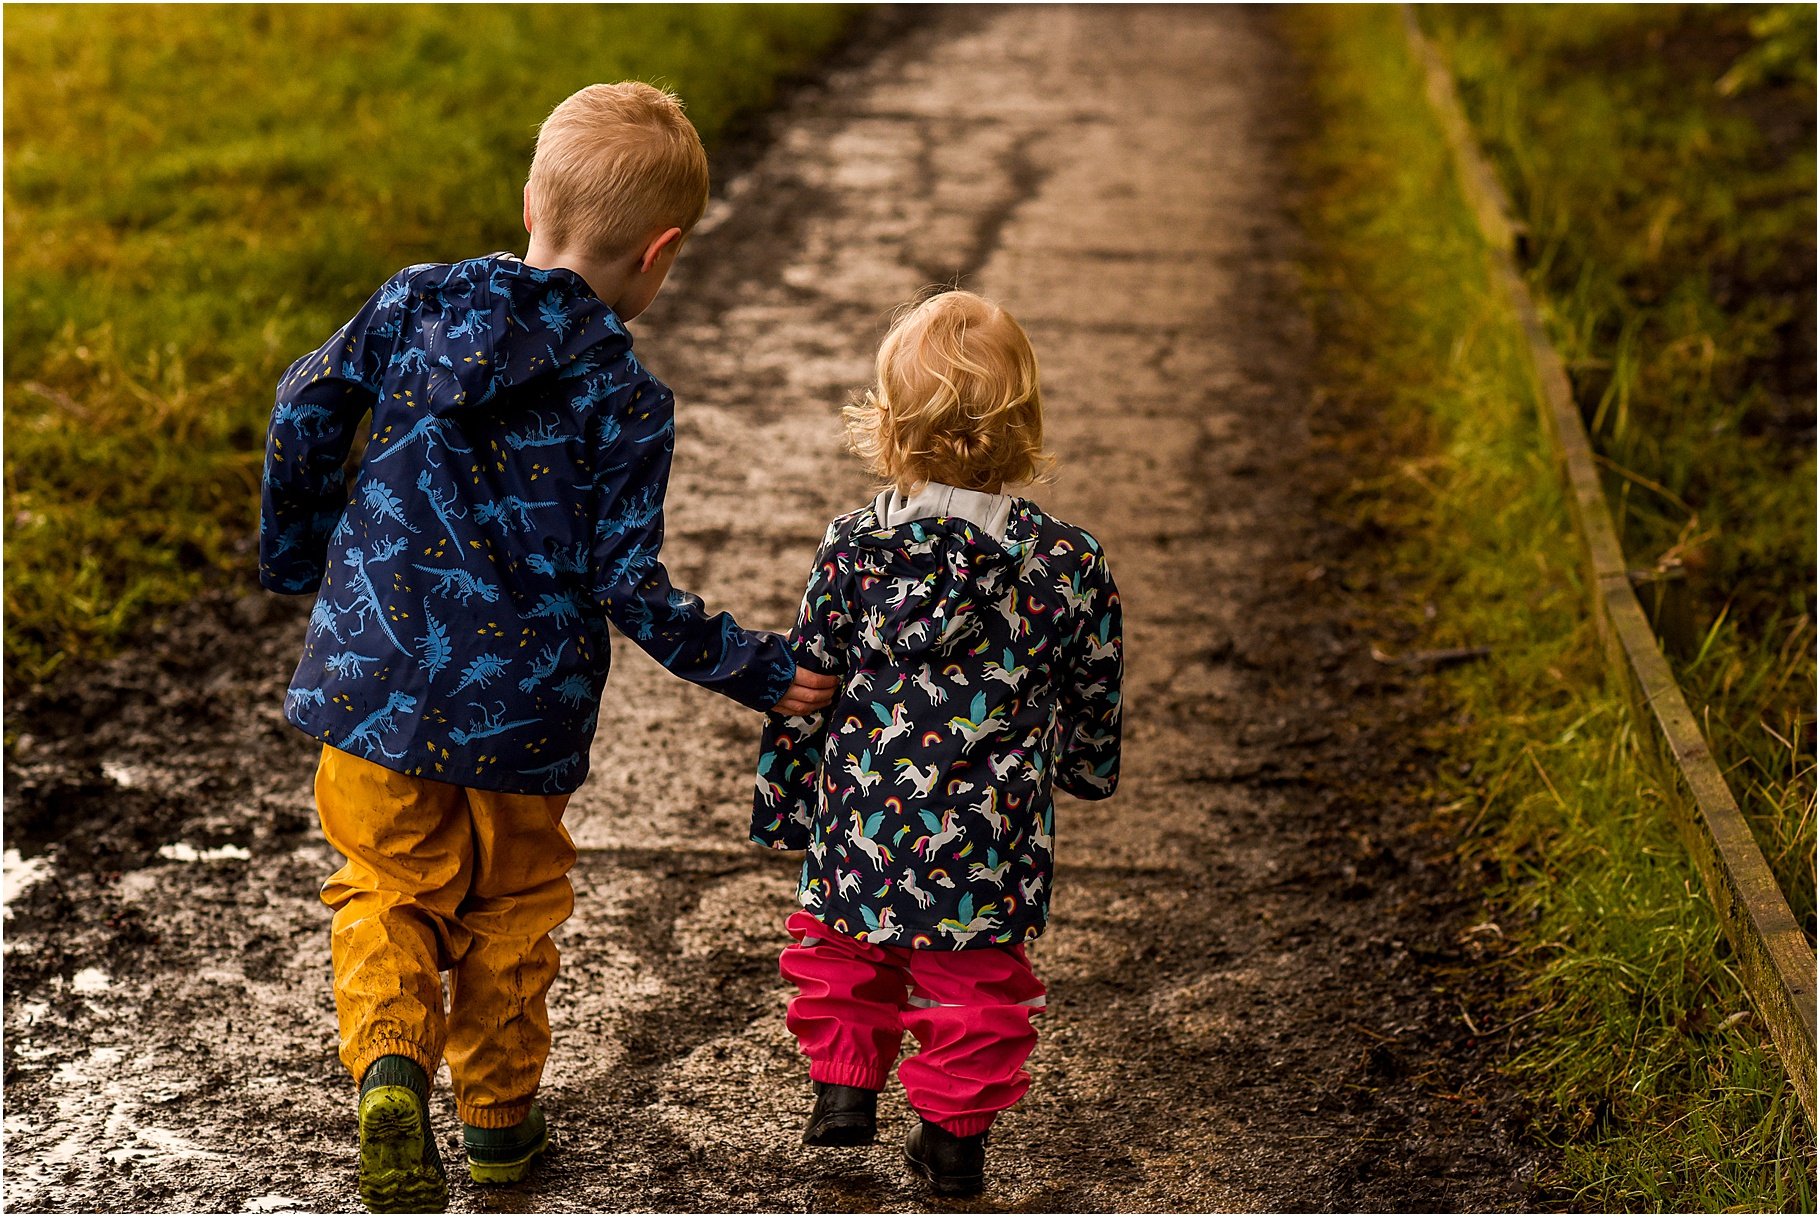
(790, 753)
(1087, 765)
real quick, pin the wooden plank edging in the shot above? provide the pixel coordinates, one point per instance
(1775, 963)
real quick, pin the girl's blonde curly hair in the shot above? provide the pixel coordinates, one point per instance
(956, 400)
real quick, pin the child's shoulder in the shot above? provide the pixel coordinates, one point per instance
(1045, 526)
(843, 527)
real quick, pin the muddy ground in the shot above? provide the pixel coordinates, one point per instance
(1255, 963)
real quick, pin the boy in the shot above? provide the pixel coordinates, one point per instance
(508, 506)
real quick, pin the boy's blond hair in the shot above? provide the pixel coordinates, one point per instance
(616, 164)
(956, 402)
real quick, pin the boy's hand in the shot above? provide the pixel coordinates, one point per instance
(809, 692)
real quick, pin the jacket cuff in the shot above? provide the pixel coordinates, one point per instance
(291, 580)
(774, 681)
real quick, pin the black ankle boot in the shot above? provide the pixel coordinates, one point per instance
(954, 1166)
(843, 1115)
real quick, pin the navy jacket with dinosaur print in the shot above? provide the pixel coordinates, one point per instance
(507, 507)
(978, 674)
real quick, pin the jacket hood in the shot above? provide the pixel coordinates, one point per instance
(479, 328)
(924, 583)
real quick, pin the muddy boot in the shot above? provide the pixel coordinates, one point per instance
(504, 1155)
(843, 1115)
(953, 1166)
(400, 1170)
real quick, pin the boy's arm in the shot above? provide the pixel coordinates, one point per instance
(1087, 765)
(790, 752)
(321, 400)
(631, 585)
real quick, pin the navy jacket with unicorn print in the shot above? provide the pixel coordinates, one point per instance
(981, 661)
(507, 507)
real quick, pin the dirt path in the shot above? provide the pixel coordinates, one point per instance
(1250, 1003)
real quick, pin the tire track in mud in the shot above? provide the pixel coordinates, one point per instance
(1249, 961)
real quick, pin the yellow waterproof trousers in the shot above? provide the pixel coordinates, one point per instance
(441, 878)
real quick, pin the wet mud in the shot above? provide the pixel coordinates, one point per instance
(1258, 990)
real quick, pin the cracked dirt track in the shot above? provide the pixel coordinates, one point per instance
(1247, 962)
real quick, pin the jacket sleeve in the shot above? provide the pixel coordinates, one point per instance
(321, 400)
(1087, 765)
(790, 752)
(633, 450)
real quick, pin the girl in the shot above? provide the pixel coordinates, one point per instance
(977, 644)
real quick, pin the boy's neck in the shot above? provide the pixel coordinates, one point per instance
(607, 279)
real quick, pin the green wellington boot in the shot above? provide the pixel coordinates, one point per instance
(504, 1155)
(400, 1169)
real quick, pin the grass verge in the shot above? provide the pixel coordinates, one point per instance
(197, 195)
(1662, 158)
(1625, 1025)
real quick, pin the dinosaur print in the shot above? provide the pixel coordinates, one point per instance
(637, 513)
(440, 504)
(632, 565)
(322, 621)
(311, 420)
(313, 697)
(411, 359)
(382, 721)
(458, 584)
(571, 561)
(509, 509)
(562, 609)
(474, 323)
(543, 435)
(432, 431)
(483, 669)
(435, 646)
(555, 775)
(488, 723)
(575, 691)
(508, 502)
(366, 599)
(548, 660)
(380, 500)
(347, 664)
(385, 551)
(288, 540)
(551, 311)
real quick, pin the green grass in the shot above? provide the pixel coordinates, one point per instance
(1632, 1037)
(1663, 160)
(197, 195)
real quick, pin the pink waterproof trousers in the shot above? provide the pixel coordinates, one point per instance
(969, 1011)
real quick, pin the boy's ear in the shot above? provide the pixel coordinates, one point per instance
(655, 249)
(527, 210)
